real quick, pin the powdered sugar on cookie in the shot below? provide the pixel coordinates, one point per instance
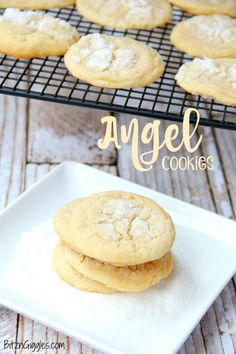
(55, 27)
(214, 78)
(211, 28)
(101, 55)
(209, 68)
(128, 218)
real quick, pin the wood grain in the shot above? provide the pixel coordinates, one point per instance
(13, 122)
(58, 133)
(34, 139)
(216, 332)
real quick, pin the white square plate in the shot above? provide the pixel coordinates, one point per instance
(155, 321)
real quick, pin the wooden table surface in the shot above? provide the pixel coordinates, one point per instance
(35, 136)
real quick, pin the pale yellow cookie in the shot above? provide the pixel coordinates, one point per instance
(215, 78)
(61, 218)
(35, 4)
(137, 14)
(114, 62)
(212, 36)
(207, 7)
(27, 34)
(72, 277)
(120, 227)
(127, 279)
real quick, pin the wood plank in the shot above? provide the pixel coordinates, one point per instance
(58, 133)
(207, 190)
(223, 187)
(13, 123)
(226, 145)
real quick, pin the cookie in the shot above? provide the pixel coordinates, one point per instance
(207, 7)
(70, 276)
(126, 279)
(120, 228)
(26, 34)
(60, 220)
(35, 4)
(114, 62)
(212, 36)
(215, 78)
(136, 14)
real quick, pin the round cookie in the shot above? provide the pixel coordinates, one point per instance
(27, 34)
(69, 275)
(212, 36)
(120, 228)
(60, 220)
(215, 78)
(114, 62)
(207, 7)
(127, 279)
(35, 4)
(136, 14)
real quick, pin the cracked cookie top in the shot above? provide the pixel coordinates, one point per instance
(28, 34)
(120, 228)
(114, 61)
(215, 78)
(212, 36)
(137, 14)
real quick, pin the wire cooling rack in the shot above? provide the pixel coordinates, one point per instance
(48, 79)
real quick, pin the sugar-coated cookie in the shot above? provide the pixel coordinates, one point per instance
(114, 62)
(137, 14)
(126, 279)
(215, 78)
(27, 34)
(120, 228)
(69, 275)
(212, 36)
(35, 4)
(207, 7)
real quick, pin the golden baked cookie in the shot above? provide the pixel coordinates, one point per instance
(136, 14)
(61, 218)
(120, 228)
(215, 78)
(212, 36)
(69, 275)
(127, 279)
(114, 62)
(207, 7)
(27, 34)
(35, 4)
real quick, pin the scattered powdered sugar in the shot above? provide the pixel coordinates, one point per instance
(139, 8)
(125, 57)
(232, 72)
(100, 59)
(120, 208)
(31, 281)
(102, 55)
(215, 27)
(39, 22)
(99, 42)
(139, 228)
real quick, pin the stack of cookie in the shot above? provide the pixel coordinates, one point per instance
(113, 241)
